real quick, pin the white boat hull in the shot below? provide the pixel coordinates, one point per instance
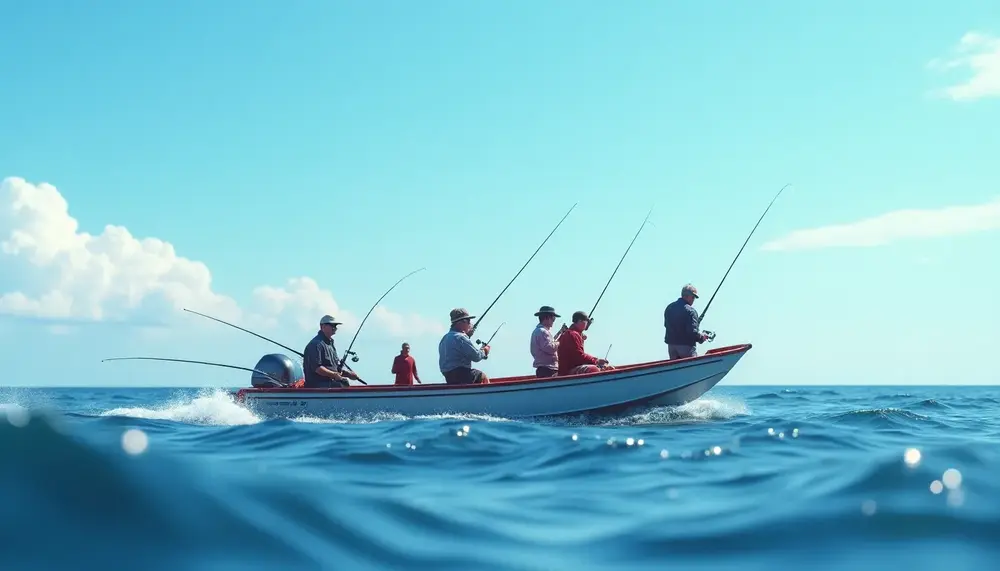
(660, 383)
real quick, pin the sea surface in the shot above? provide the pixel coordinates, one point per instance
(747, 478)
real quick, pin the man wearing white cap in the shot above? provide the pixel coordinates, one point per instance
(681, 321)
(320, 360)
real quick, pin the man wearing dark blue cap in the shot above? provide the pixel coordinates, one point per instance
(681, 321)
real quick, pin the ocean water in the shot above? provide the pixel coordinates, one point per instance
(745, 478)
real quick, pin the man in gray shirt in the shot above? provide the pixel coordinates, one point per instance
(457, 352)
(319, 360)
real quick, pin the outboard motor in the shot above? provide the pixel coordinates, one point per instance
(278, 366)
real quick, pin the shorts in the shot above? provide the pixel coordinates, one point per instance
(463, 376)
(544, 372)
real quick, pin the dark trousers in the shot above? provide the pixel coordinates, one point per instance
(463, 376)
(544, 372)
(325, 383)
(681, 351)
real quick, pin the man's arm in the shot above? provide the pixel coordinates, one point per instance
(327, 372)
(341, 370)
(415, 375)
(469, 349)
(576, 346)
(547, 343)
(395, 362)
(694, 323)
(541, 341)
(591, 359)
(314, 356)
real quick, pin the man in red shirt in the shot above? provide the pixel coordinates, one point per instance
(573, 360)
(404, 367)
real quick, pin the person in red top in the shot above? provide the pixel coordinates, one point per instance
(573, 360)
(404, 367)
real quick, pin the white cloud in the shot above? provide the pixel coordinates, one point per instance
(893, 226)
(411, 324)
(50, 270)
(980, 54)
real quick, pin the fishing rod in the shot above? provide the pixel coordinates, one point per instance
(355, 358)
(490, 339)
(707, 305)
(609, 351)
(196, 363)
(591, 314)
(286, 347)
(476, 324)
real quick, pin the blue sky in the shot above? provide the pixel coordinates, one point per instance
(352, 142)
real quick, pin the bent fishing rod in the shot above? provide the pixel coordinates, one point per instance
(634, 238)
(196, 363)
(476, 324)
(488, 341)
(745, 242)
(354, 356)
(286, 347)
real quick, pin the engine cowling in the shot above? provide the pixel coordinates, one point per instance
(279, 366)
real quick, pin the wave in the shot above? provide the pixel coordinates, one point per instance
(452, 493)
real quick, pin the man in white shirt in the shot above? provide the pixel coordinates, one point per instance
(544, 345)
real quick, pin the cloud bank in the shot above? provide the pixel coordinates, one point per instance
(894, 226)
(50, 270)
(979, 54)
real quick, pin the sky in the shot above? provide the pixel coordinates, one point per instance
(275, 162)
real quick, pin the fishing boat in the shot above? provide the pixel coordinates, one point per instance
(612, 391)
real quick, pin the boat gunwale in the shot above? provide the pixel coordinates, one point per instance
(519, 382)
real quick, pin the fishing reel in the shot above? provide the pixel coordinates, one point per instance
(354, 356)
(709, 335)
(488, 341)
(481, 344)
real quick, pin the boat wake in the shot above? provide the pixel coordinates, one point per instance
(218, 408)
(213, 408)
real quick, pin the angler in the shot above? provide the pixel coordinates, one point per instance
(320, 362)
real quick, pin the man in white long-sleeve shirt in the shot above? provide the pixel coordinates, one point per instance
(544, 345)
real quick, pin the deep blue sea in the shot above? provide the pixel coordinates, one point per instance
(747, 478)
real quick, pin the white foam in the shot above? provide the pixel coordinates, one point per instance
(17, 398)
(715, 408)
(219, 409)
(214, 408)
(703, 409)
